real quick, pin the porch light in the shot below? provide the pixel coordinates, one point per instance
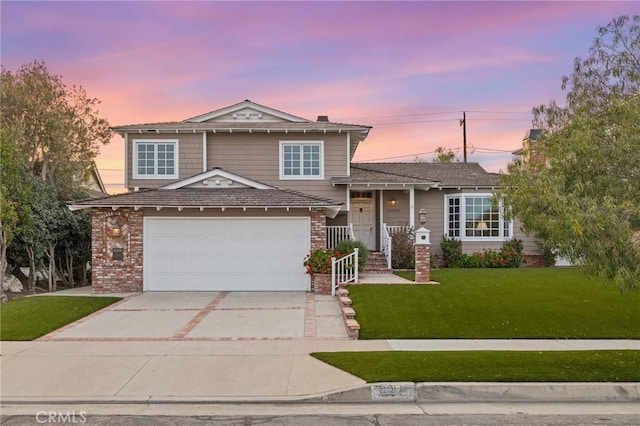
(115, 231)
(422, 216)
(393, 202)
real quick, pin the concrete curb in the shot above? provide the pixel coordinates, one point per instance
(487, 392)
(398, 392)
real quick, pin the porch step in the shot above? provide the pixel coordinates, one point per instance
(376, 264)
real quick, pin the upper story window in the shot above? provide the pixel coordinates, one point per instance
(475, 217)
(301, 160)
(155, 159)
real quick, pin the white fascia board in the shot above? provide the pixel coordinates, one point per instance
(216, 173)
(242, 105)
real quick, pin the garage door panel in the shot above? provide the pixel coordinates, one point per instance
(216, 254)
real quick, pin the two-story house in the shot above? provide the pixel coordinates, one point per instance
(234, 199)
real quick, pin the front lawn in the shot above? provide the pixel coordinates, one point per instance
(523, 303)
(32, 317)
(488, 366)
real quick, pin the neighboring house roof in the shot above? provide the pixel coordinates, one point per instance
(93, 182)
(443, 175)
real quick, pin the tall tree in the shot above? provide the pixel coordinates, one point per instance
(51, 133)
(584, 201)
(445, 155)
(56, 129)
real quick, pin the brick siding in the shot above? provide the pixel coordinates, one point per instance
(109, 275)
(318, 228)
(423, 263)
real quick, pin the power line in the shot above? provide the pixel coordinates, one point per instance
(406, 115)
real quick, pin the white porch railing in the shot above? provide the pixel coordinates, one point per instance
(335, 234)
(395, 228)
(344, 270)
(386, 244)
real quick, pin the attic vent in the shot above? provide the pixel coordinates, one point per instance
(324, 118)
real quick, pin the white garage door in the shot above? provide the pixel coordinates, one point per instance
(215, 254)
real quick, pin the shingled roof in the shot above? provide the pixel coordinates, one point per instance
(209, 198)
(443, 174)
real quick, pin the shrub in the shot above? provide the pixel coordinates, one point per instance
(511, 253)
(319, 261)
(509, 256)
(403, 254)
(451, 251)
(548, 255)
(348, 246)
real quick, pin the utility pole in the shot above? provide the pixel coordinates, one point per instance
(463, 123)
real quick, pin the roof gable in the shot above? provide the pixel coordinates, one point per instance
(216, 178)
(246, 112)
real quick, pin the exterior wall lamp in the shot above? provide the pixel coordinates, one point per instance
(422, 216)
(393, 202)
(116, 231)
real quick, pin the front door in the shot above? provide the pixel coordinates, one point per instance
(362, 219)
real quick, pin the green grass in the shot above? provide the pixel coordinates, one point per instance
(32, 317)
(488, 366)
(409, 275)
(556, 303)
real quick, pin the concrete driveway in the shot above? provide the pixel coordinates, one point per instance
(171, 316)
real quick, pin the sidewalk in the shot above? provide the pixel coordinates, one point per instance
(224, 371)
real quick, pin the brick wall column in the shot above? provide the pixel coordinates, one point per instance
(109, 272)
(318, 229)
(423, 256)
(423, 263)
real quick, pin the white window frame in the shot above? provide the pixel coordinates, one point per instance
(463, 207)
(155, 175)
(301, 144)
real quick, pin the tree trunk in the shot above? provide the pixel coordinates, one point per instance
(3, 258)
(31, 281)
(69, 261)
(51, 255)
(83, 276)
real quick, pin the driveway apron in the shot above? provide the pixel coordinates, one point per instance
(184, 316)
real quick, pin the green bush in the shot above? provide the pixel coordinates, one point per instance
(509, 256)
(403, 254)
(451, 251)
(348, 246)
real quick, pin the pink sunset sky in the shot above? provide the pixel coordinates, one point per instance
(408, 69)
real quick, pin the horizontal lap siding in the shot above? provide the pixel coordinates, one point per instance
(256, 156)
(398, 215)
(189, 158)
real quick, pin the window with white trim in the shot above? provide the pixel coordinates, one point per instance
(476, 217)
(301, 160)
(155, 159)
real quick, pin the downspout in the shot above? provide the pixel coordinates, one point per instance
(204, 151)
(412, 208)
(126, 160)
